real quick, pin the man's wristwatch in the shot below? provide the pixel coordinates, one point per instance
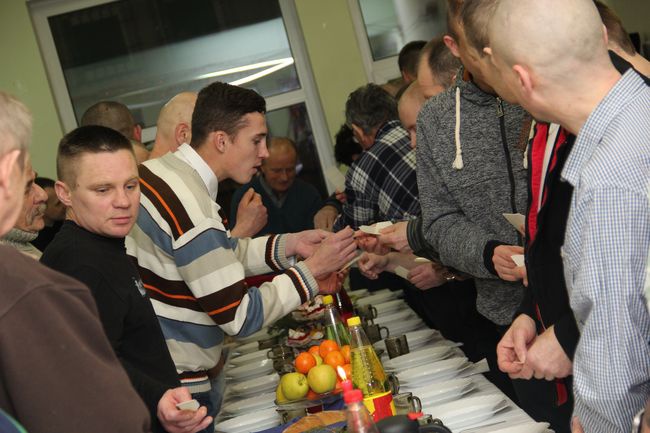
(448, 275)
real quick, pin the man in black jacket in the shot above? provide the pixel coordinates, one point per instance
(99, 186)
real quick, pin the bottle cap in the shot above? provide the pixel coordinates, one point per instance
(414, 415)
(353, 396)
(327, 299)
(354, 321)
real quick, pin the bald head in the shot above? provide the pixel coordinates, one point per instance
(551, 36)
(174, 125)
(408, 107)
(279, 169)
(111, 114)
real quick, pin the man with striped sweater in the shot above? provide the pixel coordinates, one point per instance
(193, 269)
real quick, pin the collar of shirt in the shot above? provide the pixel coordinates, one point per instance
(386, 128)
(596, 125)
(189, 155)
(277, 201)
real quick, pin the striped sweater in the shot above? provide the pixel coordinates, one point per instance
(194, 271)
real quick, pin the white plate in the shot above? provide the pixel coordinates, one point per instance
(262, 334)
(249, 357)
(250, 370)
(378, 297)
(250, 422)
(477, 420)
(358, 293)
(255, 386)
(388, 307)
(247, 405)
(417, 358)
(243, 349)
(526, 427)
(468, 409)
(425, 374)
(398, 316)
(404, 326)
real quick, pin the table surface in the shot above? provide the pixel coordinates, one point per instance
(512, 415)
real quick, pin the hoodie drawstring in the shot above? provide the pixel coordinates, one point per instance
(458, 162)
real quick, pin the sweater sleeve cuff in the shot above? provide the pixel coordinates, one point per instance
(276, 256)
(567, 334)
(488, 253)
(304, 282)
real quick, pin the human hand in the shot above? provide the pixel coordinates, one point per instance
(371, 265)
(304, 243)
(576, 427)
(325, 217)
(331, 283)
(341, 196)
(502, 259)
(181, 421)
(370, 243)
(395, 237)
(546, 357)
(333, 253)
(513, 347)
(251, 215)
(427, 276)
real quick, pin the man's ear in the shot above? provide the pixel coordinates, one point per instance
(452, 45)
(181, 133)
(524, 80)
(219, 140)
(137, 133)
(63, 193)
(8, 162)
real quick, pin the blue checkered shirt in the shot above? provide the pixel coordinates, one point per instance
(605, 252)
(382, 184)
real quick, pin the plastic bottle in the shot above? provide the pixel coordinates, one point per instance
(368, 374)
(334, 328)
(359, 420)
(344, 304)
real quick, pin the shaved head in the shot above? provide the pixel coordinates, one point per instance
(552, 36)
(408, 107)
(174, 125)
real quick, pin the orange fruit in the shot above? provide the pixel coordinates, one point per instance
(334, 359)
(345, 351)
(326, 347)
(304, 362)
(314, 350)
(348, 371)
(311, 395)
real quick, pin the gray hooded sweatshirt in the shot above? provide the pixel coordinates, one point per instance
(470, 171)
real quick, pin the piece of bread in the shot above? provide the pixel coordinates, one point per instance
(314, 420)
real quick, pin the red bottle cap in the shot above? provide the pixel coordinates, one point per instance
(414, 415)
(353, 396)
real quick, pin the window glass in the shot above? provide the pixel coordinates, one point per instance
(143, 52)
(390, 24)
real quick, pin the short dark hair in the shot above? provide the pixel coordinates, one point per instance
(369, 107)
(453, 14)
(110, 114)
(44, 182)
(221, 107)
(409, 55)
(474, 16)
(346, 147)
(442, 63)
(615, 30)
(86, 139)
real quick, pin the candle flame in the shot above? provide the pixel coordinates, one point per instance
(341, 373)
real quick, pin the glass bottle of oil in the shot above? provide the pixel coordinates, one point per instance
(334, 327)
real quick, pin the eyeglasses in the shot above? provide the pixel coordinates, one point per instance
(637, 423)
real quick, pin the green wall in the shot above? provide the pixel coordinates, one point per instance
(23, 75)
(333, 53)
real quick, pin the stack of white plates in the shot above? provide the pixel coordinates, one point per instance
(378, 297)
(403, 326)
(441, 392)
(249, 357)
(510, 427)
(243, 349)
(417, 358)
(390, 306)
(417, 339)
(395, 317)
(251, 404)
(262, 334)
(250, 370)
(468, 412)
(250, 422)
(417, 377)
(255, 385)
